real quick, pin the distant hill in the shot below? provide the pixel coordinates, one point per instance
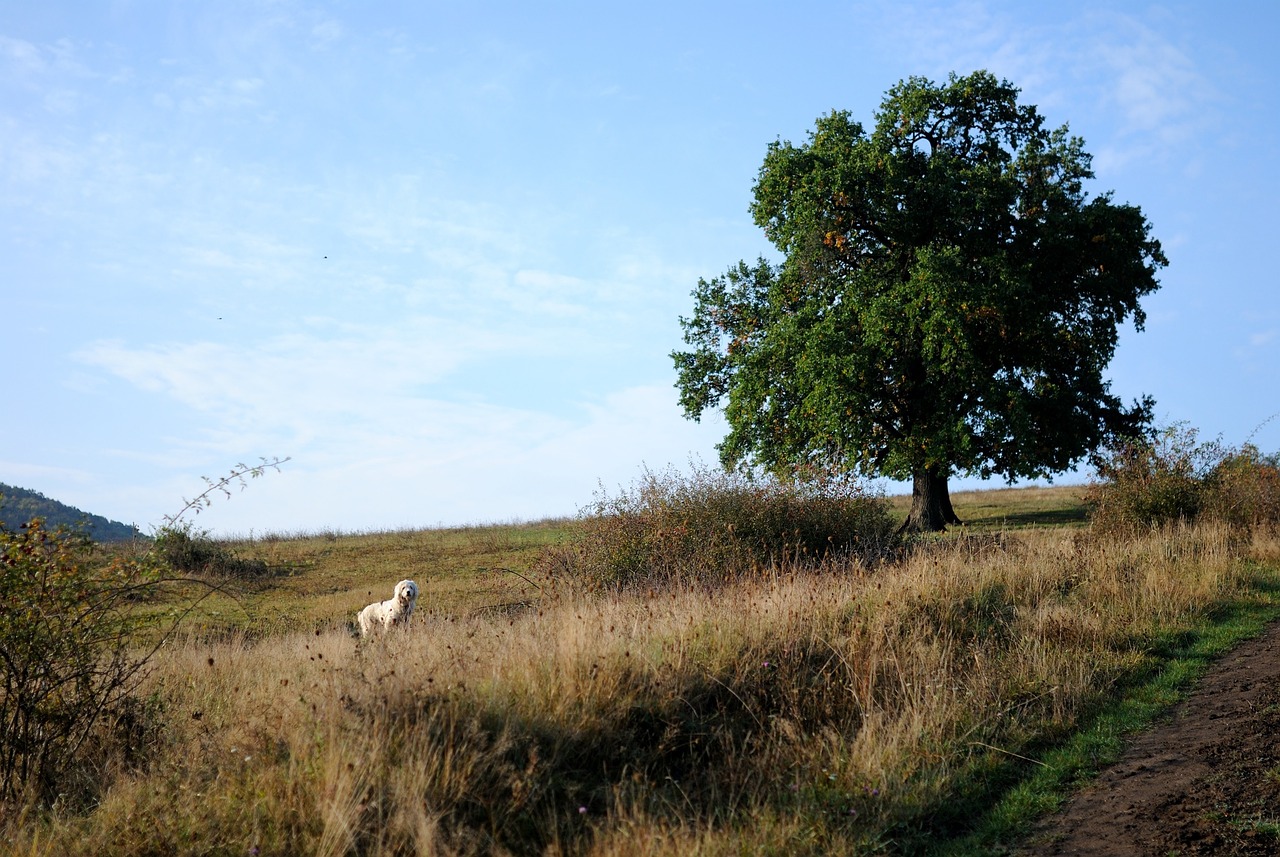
(18, 505)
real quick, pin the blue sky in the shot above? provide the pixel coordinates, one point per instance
(436, 253)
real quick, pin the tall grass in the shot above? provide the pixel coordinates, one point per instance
(710, 526)
(851, 709)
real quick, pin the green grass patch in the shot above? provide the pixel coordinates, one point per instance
(1013, 508)
(1007, 797)
(318, 580)
(315, 580)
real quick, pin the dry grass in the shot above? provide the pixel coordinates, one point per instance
(797, 713)
(321, 580)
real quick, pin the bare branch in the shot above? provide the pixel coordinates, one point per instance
(237, 475)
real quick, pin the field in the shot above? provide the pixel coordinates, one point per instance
(321, 580)
(936, 702)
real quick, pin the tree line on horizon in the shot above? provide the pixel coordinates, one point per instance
(19, 505)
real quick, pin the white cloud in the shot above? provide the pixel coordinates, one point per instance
(199, 95)
(319, 373)
(24, 473)
(325, 33)
(22, 56)
(49, 67)
(1149, 89)
(63, 102)
(466, 463)
(376, 437)
(32, 61)
(1259, 340)
(27, 159)
(1155, 90)
(1258, 350)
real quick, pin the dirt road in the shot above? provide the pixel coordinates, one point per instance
(1205, 782)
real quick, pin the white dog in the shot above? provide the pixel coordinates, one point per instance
(382, 615)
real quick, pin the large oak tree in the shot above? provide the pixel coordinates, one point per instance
(947, 300)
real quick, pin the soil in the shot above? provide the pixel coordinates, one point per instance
(1206, 781)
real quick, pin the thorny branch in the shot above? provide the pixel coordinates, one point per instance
(238, 475)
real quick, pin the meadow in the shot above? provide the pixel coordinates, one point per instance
(935, 698)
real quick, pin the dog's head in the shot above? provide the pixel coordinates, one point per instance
(406, 593)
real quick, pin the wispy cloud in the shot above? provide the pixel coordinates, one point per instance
(461, 463)
(368, 415)
(202, 95)
(1147, 88)
(26, 473)
(333, 370)
(21, 56)
(1155, 90)
(36, 63)
(325, 34)
(1258, 351)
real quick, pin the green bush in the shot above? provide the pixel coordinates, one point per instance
(1175, 477)
(1244, 490)
(70, 657)
(711, 525)
(184, 549)
(67, 668)
(1142, 483)
(187, 550)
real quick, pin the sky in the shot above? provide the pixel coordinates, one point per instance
(435, 254)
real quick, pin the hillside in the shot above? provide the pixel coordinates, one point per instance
(938, 701)
(19, 505)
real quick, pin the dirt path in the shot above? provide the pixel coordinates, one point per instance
(1205, 782)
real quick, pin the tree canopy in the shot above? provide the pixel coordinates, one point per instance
(947, 300)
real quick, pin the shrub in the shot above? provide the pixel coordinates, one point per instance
(1176, 478)
(66, 665)
(187, 550)
(1244, 490)
(1141, 483)
(711, 525)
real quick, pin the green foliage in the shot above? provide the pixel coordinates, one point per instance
(948, 300)
(188, 550)
(1144, 482)
(1176, 477)
(20, 504)
(711, 526)
(1246, 489)
(70, 661)
(66, 663)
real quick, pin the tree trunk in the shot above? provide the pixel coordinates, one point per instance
(948, 513)
(931, 510)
